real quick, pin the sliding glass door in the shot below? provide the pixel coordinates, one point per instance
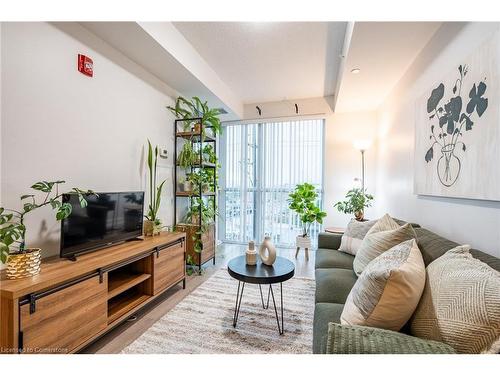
(261, 164)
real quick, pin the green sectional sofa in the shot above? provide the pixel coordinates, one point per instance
(335, 276)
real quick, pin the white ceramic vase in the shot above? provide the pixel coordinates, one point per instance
(267, 251)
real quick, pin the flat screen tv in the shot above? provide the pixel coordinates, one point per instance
(109, 218)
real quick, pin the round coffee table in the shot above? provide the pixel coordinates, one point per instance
(282, 270)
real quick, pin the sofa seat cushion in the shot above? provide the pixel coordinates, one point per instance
(333, 285)
(368, 340)
(324, 313)
(460, 304)
(326, 258)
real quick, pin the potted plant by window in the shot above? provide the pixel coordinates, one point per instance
(356, 202)
(23, 261)
(303, 201)
(152, 224)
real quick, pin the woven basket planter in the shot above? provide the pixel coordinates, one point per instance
(151, 229)
(24, 265)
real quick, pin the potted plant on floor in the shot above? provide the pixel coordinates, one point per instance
(303, 201)
(152, 224)
(356, 202)
(23, 261)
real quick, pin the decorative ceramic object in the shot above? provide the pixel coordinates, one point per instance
(251, 254)
(23, 265)
(267, 251)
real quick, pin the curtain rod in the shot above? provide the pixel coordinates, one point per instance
(263, 119)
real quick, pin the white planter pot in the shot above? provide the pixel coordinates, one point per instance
(304, 242)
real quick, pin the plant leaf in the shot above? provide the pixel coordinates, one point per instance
(436, 95)
(429, 154)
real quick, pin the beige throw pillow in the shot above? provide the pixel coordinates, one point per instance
(387, 292)
(354, 234)
(460, 305)
(385, 234)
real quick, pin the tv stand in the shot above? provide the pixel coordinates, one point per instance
(72, 258)
(135, 239)
(100, 291)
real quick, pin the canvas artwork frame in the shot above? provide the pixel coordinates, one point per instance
(457, 129)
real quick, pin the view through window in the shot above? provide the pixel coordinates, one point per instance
(261, 165)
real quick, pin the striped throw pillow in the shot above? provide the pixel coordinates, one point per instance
(354, 234)
(385, 234)
(387, 292)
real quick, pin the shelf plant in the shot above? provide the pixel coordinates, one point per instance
(356, 202)
(195, 108)
(152, 224)
(197, 116)
(188, 156)
(209, 154)
(303, 201)
(13, 227)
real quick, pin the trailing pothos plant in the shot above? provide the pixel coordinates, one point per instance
(195, 108)
(188, 156)
(208, 214)
(303, 201)
(154, 189)
(12, 222)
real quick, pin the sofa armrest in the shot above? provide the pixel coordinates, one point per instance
(329, 240)
(343, 339)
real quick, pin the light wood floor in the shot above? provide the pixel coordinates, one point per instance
(126, 333)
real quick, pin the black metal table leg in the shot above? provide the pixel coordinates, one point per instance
(282, 319)
(265, 307)
(280, 327)
(239, 297)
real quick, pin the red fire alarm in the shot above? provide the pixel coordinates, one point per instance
(85, 65)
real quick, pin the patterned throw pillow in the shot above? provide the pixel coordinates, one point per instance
(387, 292)
(460, 305)
(354, 234)
(385, 234)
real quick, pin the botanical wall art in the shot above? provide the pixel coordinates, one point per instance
(457, 130)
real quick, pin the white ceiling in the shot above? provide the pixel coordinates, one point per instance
(383, 51)
(264, 62)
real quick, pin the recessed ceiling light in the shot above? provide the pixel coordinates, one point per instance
(355, 71)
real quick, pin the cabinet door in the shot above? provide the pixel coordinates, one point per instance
(168, 267)
(65, 319)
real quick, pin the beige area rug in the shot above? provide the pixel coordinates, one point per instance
(202, 322)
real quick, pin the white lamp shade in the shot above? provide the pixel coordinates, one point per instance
(362, 144)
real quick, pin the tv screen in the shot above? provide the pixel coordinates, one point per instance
(108, 218)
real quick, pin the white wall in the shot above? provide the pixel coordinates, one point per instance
(343, 161)
(60, 124)
(465, 221)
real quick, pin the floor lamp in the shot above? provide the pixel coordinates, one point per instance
(362, 145)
